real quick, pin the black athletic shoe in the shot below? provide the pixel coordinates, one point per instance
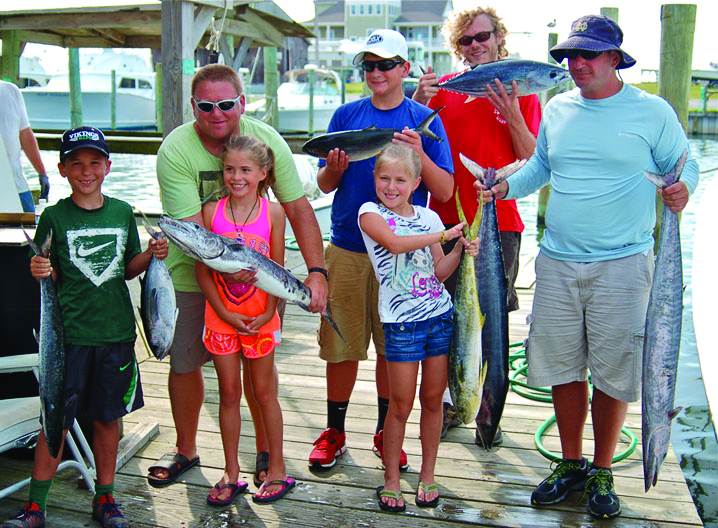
(602, 499)
(567, 476)
(451, 419)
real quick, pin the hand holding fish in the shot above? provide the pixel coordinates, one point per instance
(245, 276)
(337, 161)
(318, 285)
(498, 191)
(159, 248)
(40, 267)
(506, 104)
(454, 232)
(675, 196)
(428, 87)
(471, 248)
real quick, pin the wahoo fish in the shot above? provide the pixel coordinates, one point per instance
(662, 339)
(158, 305)
(466, 368)
(531, 77)
(493, 294)
(229, 256)
(363, 144)
(52, 367)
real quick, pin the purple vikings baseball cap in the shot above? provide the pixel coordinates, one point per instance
(594, 33)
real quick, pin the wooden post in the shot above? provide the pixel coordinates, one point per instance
(10, 68)
(610, 12)
(113, 101)
(678, 24)
(158, 97)
(177, 63)
(271, 83)
(75, 87)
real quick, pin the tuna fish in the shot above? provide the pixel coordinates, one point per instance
(662, 339)
(531, 77)
(491, 277)
(229, 256)
(158, 306)
(52, 369)
(466, 368)
(362, 144)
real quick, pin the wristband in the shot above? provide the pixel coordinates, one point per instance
(442, 239)
(319, 270)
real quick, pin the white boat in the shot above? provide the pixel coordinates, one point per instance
(705, 290)
(48, 106)
(293, 101)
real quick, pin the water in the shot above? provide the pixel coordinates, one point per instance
(132, 178)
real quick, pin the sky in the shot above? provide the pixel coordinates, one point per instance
(526, 21)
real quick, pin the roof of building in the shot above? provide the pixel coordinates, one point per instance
(422, 11)
(332, 14)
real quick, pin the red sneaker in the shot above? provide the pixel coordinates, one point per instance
(378, 450)
(329, 446)
(31, 516)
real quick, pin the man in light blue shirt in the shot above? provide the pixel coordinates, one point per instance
(594, 271)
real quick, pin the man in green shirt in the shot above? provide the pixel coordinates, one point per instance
(189, 169)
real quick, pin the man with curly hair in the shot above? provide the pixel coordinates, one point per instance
(493, 132)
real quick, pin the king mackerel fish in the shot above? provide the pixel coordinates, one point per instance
(229, 256)
(492, 291)
(662, 339)
(531, 77)
(363, 144)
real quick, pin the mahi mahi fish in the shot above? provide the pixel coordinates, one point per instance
(491, 277)
(229, 256)
(363, 144)
(531, 77)
(52, 368)
(662, 337)
(158, 305)
(466, 372)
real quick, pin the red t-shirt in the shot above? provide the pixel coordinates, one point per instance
(478, 131)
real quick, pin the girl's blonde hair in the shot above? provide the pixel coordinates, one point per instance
(258, 152)
(407, 156)
(457, 22)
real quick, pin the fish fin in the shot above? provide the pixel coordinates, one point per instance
(423, 128)
(176, 315)
(672, 414)
(508, 170)
(372, 127)
(469, 99)
(37, 337)
(154, 233)
(474, 168)
(327, 314)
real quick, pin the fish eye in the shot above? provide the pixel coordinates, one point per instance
(553, 74)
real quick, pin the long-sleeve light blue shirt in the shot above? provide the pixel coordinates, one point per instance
(593, 153)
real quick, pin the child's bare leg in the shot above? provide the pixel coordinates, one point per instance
(229, 378)
(431, 392)
(44, 466)
(264, 384)
(105, 442)
(261, 441)
(402, 381)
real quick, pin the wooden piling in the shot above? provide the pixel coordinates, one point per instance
(73, 55)
(177, 63)
(271, 83)
(11, 50)
(158, 97)
(113, 100)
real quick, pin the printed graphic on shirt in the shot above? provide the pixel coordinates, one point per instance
(210, 181)
(98, 252)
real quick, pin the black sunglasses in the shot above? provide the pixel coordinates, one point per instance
(383, 65)
(573, 54)
(208, 106)
(482, 36)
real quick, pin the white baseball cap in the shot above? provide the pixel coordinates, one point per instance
(384, 43)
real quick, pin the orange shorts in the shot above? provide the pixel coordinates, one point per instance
(252, 346)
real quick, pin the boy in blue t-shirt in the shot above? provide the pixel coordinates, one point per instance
(353, 287)
(95, 249)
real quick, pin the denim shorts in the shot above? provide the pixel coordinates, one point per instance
(419, 340)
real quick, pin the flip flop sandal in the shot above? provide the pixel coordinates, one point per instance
(288, 484)
(175, 464)
(427, 489)
(261, 464)
(236, 489)
(381, 492)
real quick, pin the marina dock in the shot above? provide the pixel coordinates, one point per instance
(477, 487)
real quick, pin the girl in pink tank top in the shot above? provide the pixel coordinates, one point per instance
(242, 326)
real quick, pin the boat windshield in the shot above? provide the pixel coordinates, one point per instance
(302, 88)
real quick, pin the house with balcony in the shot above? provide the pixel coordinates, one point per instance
(342, 27)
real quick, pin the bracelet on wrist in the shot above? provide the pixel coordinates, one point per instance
(442, 238)
(319, 270)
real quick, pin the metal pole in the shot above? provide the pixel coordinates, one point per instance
(310, 125)
(113, 101)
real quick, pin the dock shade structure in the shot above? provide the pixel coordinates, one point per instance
(176, 27)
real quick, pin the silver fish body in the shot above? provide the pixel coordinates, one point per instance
(492, 289)
(362, 144)
(662, 338)
(532, 77)
(52, 365)
(158, 305)
(229, 256)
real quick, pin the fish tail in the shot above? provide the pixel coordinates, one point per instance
(474, 231)
(462, 216)
(423, 128)
(668, 178)
(327, 314)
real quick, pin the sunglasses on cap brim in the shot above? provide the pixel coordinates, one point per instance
(383, 65)
(224, 105)
(573, 54)
(482, 36)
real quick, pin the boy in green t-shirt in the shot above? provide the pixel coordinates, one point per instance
(95, 249)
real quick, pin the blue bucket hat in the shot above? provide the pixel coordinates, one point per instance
(594, 33)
